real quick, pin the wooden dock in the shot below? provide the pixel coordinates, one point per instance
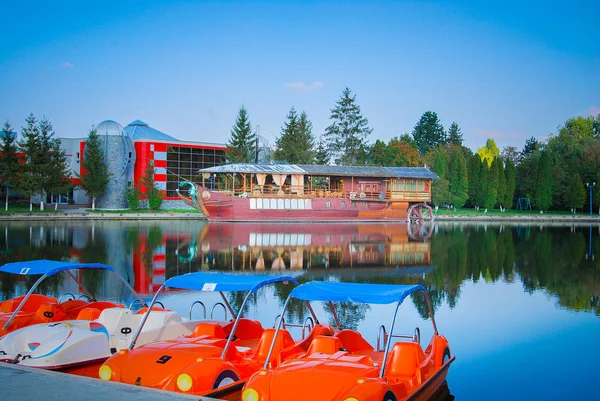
(22, 383)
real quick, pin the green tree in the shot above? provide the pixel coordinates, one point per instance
(501, 196)
(474, 180)
(428, 132)
(579, 127)
(577, 193)
(322, 156)
(458, 180)
(95, 177)
(403, 152)
(9, 161)
(154, 195)
(241, 144)
(295, 145)
(491, 195)
(482, 188)
(543, 187)
(381, 154)
(57, 170)
(510, 184)
(531, 145)
(455, 135)
(438, 159)
(347, 135)
(31, 180)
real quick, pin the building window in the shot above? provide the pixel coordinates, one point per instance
(184, 164)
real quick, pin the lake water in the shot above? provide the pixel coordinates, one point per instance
(519, 304)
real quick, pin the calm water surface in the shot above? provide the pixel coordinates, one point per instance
(519, 304)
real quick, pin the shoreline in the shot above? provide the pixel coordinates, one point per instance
(95, 216)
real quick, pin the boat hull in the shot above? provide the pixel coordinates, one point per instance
(225, 207)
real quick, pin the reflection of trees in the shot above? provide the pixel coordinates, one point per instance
(350, 314)
(143, 242)
(555, 261)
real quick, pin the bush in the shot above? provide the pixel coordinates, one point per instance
(133, 197)
(155, 199)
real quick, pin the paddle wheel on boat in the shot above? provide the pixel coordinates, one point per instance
(419, 212)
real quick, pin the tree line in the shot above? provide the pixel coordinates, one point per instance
(36, 165)
(551, 174)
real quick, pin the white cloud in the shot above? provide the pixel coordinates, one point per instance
(302, 87)
(593, 111)
(66, 64)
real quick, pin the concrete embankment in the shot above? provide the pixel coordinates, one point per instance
(525, 218)
(23, 383)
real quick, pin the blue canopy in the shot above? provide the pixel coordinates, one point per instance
(354, 292)
(223, 281)
(48, 267)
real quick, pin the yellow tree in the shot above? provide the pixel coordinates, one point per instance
(489, 152)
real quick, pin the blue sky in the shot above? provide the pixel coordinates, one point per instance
(506, 70)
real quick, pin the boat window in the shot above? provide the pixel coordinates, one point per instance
(266, 204)
(328, 204)
(259, 203)
(279, 203)
(287, 204)
(253, 203)
(274, 204)
(294, 204)
(343, 204)
(308, 204)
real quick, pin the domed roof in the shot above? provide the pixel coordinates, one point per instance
(141, 131)
(109, 127)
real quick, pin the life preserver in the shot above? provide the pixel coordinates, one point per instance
(206, 195)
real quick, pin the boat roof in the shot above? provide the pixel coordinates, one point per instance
(224, 282)
(255, 168)
(412, 172)
(315, 169)
(48, 267)
(354, 292)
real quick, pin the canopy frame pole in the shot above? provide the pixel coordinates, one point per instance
(139, 330)
(335, 316)
(228, 305)
(25, 298)
(235, 324)
(265, 366)
(312, 312)
(435, 330)
(389, 342)
(80, 285)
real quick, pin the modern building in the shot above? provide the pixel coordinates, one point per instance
(130, 150)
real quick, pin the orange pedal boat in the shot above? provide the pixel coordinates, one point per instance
(30, 309)
(218, 357)
(344, 366)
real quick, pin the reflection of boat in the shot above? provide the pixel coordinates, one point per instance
(255, 192)
(345, 366)
(80, 346)
(303, 245)
(218, 357)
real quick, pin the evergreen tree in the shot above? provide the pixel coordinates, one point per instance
(429, 132)
(474, 179)
(95, 178)
(458, 181)
(381, 154)
(491, 195)
(295, 145)
(56, 169)
(31, 180)
(543, 187)
(153, 194)
(482, 188)
(531, 145)
(9, 161)
(576, 195)
(322, 156)
(501, 196)
(455, 135)
(347, 135)
(510, 184)
(440, 194)
(241, 144)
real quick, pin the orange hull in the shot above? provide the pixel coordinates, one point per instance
(345, 366)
